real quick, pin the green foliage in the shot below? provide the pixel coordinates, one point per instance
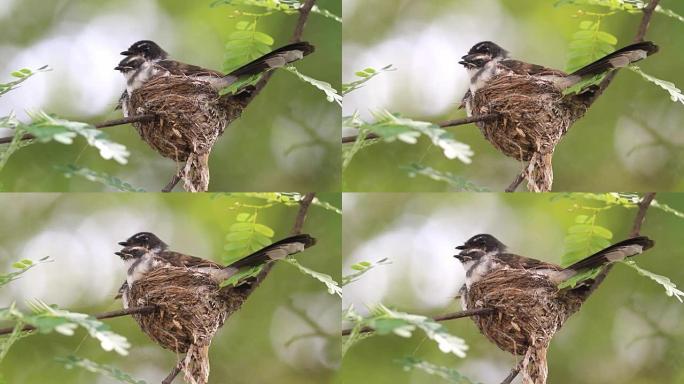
(385, 321)
(48, 128)
(583, 239)
(459, 183)
(451, 375)
(361, 268)
(245, 45)
(670, 287)
(22, 266)
(21, 75)
(290, 199)
(48, 318)
(246, 236)
(17, 333)
(365, 75)
(630, 6)
(589, 44)
(675, 93)
(330, 283)
(330, 93)
(392, 127)
(71, 170)
(71, 362)
(289, 7)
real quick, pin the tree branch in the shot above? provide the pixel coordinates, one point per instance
(448, 316)
(512, 375)
(104, 124)
(445, 124)
(636, 229)
(99, 316)
(516, 182)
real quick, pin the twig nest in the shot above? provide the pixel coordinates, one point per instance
(190, 116)
(190, 309)
(533, 114)
(529, 308)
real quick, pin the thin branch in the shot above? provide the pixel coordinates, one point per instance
(172, 184)
(516, 183)
(99, 316)
(174, 372)
(445, 124)
(105, 124)
(512, 375)
(445, 317)
(636, 229)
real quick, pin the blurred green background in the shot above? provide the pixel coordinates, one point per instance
(80, 232)
(631, 139)
(628, 332)
(286, 140)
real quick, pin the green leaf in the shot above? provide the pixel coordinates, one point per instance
(435, 331)
(21, 75)
(330, 93)
(670, 287)
(288, 7)
(48, 318)
(71, 362)
(459, 183)
(330, 283)
(72, 170)
(451, 375)
(675, 93)
(23, 266)
(587, 45)
(365, 75)
(584, 239)
(241, 276)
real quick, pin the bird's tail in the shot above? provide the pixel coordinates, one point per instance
(195, 173)
(196, 364)
(278, 250)
(539, 172)
(618, 59)
(272, 60)
(616, 252)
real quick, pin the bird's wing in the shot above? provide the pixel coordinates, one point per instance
(178, 259)
(181, 69)
(521, 262)
(523, 68)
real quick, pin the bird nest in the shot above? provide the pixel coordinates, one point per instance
(533, 114)
(190, 308)
(190, 116)
(529, 309)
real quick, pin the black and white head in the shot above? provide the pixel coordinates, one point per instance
(478, 246)
(482, 53)
(130, 65)
(147, 49)
(146, 240)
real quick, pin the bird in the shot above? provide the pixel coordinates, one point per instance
(191, 303)
(144, 251)
(524, 293)
(531, 102)
(190, 108)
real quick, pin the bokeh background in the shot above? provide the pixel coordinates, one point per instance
(288, 138)
(628, 332)
(80, 232)
(631, 139)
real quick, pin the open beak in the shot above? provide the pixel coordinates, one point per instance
(463, 256)
(121, 255)
(467, 61)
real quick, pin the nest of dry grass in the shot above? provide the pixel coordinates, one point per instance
(529, 308)
(190, 309)
(533, 115)
(191, 115)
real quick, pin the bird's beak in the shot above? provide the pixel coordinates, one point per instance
(120, 254)
(126, 53)
(467, 61)
(118, 68)
(123, 243)
(463, 256)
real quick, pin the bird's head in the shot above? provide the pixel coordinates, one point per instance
(482, 53)
(147, 49)
(146, 240)
(478, 246)
(130, 64)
